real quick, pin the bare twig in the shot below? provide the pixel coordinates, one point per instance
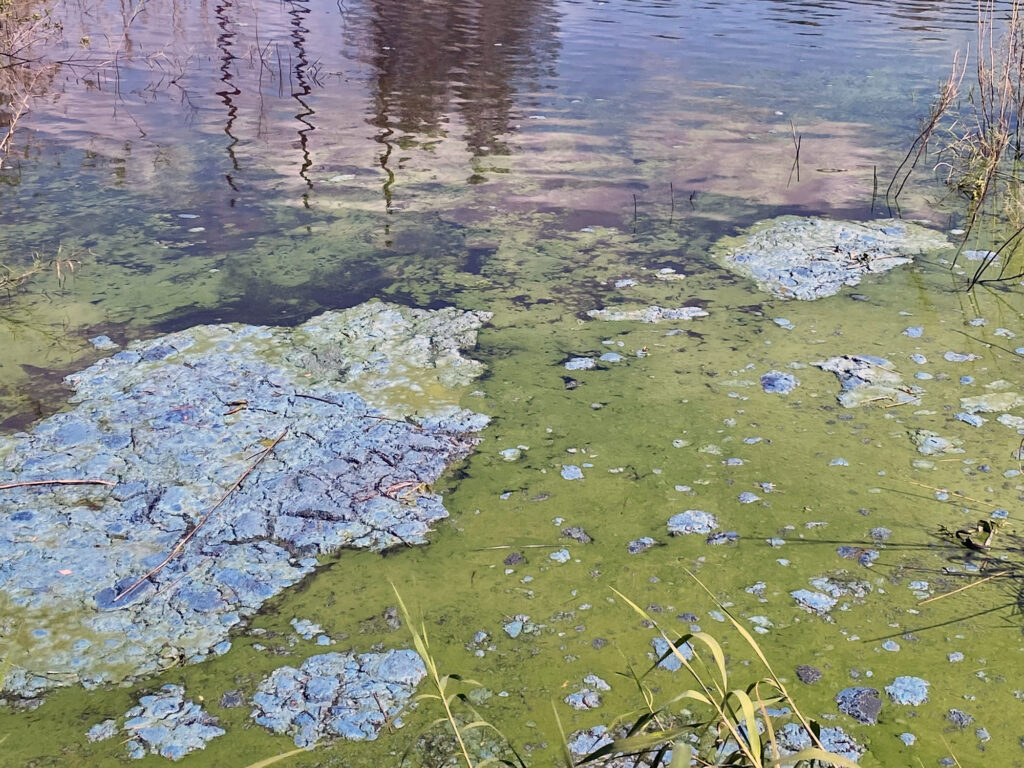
(26, 483)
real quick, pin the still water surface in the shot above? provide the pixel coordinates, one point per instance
(264, 161)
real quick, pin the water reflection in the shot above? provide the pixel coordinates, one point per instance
(297, 10)
(422, 75)
(230, 90)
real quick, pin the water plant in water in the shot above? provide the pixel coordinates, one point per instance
(740, 726)
(63, 265)
(22, 75)
(981, 152)
(444, 691)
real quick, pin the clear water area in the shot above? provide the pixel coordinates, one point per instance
(266, 162)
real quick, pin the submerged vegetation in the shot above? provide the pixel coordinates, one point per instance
(62, 266)
(23, 76)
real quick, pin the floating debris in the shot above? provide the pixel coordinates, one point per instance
(572, 472)
(810, 258)
(970, 418)
(306, 629)
(723, 537)
(668, 655)
(576, 533)
(692, 521)
(338, 695)
(637, 546)
(959, 718)
(807, 674)
(520, 624)
(648, 315)
(175, 548)
(164, 724)
(814, 602)
(560, 556)
(866, 378)
(931, 443)
(908, 691)
(580, 364)
(584, 699)
(780, 382)
(862, 704)
(993, 402)
(865, 557)
(793, 737)
(103, 343)
(960, 357)
(101, 731)
(588, 697)
(841, 584)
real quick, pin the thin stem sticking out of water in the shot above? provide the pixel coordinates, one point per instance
(796, 155)
(919, 147)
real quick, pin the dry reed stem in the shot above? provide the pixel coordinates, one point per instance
(933, 598)
(26, 483)
(958, 494)
(181, 544)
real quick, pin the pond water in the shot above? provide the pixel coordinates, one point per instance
(201, 162)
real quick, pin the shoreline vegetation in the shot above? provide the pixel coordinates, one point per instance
(972, 136)
(24, 24)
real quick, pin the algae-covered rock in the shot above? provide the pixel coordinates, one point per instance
(230, 457)
(810, 258)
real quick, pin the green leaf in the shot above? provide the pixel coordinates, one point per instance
(716, 651)
(750, 721)
(682, 755)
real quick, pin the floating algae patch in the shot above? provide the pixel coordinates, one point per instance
(164, 723)
(218, 463)
(347, 695)
(808, 259)
(866, 379)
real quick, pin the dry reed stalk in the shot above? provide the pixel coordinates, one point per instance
(27, 483)
(180, 546)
